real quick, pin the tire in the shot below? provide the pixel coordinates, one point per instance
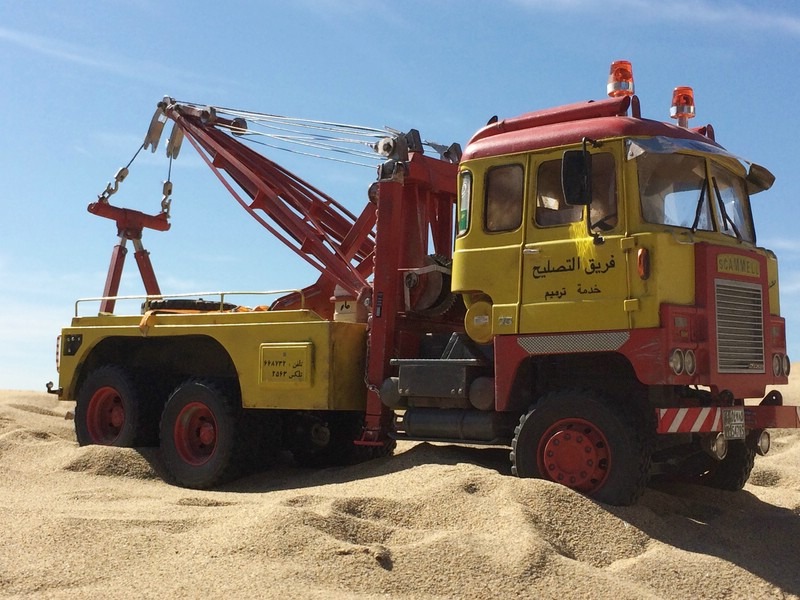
(585, 442)
(201, 445)
(733, 471)
(110, 409)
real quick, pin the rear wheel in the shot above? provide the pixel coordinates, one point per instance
(109, 409)
(200, 445)
(585, 442)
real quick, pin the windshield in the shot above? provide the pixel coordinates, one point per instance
(674, 189)
(731, 198)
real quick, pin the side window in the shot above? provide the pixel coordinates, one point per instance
(551, 208)
(603, 210)
(464, 202)
(503, 208)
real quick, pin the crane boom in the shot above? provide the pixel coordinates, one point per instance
(315, 226)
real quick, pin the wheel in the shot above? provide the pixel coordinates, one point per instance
(587, 443)
(110, 409)
(200, 442)
(733, 471)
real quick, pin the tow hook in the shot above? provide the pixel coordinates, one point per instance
(50, 390)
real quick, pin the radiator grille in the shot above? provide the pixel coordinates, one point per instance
(740, 327)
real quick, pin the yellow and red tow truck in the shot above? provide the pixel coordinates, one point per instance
(580, 284)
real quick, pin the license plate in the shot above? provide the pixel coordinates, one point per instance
(733, 423)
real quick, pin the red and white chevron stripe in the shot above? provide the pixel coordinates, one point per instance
(689, 420)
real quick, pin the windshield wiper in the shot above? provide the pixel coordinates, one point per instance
(699, 210)
(724, 212)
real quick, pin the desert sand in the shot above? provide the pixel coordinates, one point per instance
(434, 521)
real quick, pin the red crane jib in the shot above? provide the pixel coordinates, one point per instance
(312, 224)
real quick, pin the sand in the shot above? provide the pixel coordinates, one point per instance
(434, 521)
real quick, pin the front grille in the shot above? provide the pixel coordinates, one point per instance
(740, 327)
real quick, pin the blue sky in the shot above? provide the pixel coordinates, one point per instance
(80, 81)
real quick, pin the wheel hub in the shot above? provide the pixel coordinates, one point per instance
(117, 416)
(105, 416)
(206, 434)
(574, 453)
(195, 433)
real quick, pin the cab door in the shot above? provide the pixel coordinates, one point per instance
(574, 272)
(486, 261)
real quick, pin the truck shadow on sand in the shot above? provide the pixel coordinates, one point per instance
(736, 527)
(286, 475)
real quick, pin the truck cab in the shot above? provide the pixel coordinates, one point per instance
(586, 229)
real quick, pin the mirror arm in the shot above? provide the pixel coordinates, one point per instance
(597, 238)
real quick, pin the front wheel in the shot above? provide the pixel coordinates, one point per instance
(200, 445)
(585, 442)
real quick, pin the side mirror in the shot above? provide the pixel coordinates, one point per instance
(576, 177)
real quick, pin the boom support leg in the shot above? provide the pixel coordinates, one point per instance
(130, 224)
(114, 276)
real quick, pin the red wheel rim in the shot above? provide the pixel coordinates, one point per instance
(575, 453)
(195, 433)
(105, 416)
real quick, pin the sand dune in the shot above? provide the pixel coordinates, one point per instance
(434, 521)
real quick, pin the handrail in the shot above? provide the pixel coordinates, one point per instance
(222, 295)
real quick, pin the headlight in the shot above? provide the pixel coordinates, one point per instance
(676, 361)
(764, 443)
(787, 365)
(689, 362)
(777, 365)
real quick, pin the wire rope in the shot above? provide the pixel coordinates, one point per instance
(328, 140)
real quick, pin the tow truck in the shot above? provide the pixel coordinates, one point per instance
(580, 284)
